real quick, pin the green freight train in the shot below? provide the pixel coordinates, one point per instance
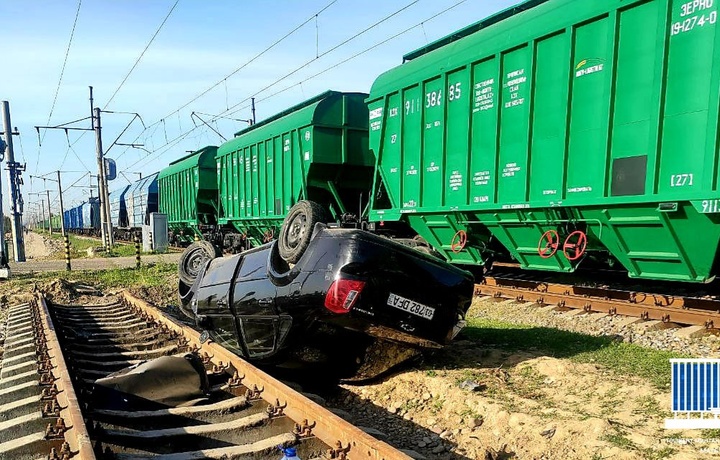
(317, 150)
(238, 194)
(554, 133)
(565, 130)
(187, 193)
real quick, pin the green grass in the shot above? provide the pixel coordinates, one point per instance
(649, 407)
(618, 439)
(147, 276)
(621, 358)
(80, 245)
(528, 383)
(710, 434)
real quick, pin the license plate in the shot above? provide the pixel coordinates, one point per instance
(410, 306)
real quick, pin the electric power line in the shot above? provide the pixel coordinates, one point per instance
(260, 54)
(171, 143)
(141, 54)
(367, 29)
(234, 72)
(22, 150)
(62, 72)
(354, 55)
(137, 61)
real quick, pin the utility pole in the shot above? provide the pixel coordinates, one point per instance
(49, 212)
(42, 204)
(14, 173)
(253, 111)
(103, 193)
(4, 269)
(62, 225)
(105, 219)
(62, 208)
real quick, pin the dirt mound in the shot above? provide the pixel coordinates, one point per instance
(474, 402)
(14, 296)
(41, 247)
(62, 291)
(161, 296)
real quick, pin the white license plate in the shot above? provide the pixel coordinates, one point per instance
(410, 306)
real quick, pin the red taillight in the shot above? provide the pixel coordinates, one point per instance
(342, 295)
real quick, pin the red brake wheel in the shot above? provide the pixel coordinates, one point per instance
(575, 245)
(459, 241)
(549, 243)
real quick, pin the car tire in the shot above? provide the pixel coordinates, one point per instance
(297, 229)
(193, 259)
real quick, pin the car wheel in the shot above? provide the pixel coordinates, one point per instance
(297, 229)
(193, 259)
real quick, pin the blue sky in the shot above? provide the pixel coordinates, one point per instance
(199, 45)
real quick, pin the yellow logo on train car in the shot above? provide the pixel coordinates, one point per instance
(589, 66)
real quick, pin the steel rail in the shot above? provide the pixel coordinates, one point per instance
(76, 434)
(350, 442)
(665, 308)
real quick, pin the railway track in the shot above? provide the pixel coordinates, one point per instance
(678, 309)
(51, 408)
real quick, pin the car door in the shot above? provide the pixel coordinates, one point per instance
(210, 303)
(261, 327)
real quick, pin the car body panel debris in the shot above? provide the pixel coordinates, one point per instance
(168, 381)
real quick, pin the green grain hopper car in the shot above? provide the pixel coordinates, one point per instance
(187, 191)
(317, 150)
(559, 131)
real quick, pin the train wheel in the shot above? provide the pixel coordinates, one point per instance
(297, 229)
(193, 259)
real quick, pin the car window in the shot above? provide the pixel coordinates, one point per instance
(212, 299)
(223, 332)
(258, 335)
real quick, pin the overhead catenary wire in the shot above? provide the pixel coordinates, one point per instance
(137, 61)
(307, 63)
(174, 141)
(327, 69)
(56, 199)
(22, 150)
(339, 45)
(235, 71)
(62, 72)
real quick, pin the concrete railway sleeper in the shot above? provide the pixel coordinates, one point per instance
(39, 414)
(246, 413)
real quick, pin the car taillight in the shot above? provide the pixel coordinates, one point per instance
(342, 295)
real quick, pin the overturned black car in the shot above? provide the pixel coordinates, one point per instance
(346, 281)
